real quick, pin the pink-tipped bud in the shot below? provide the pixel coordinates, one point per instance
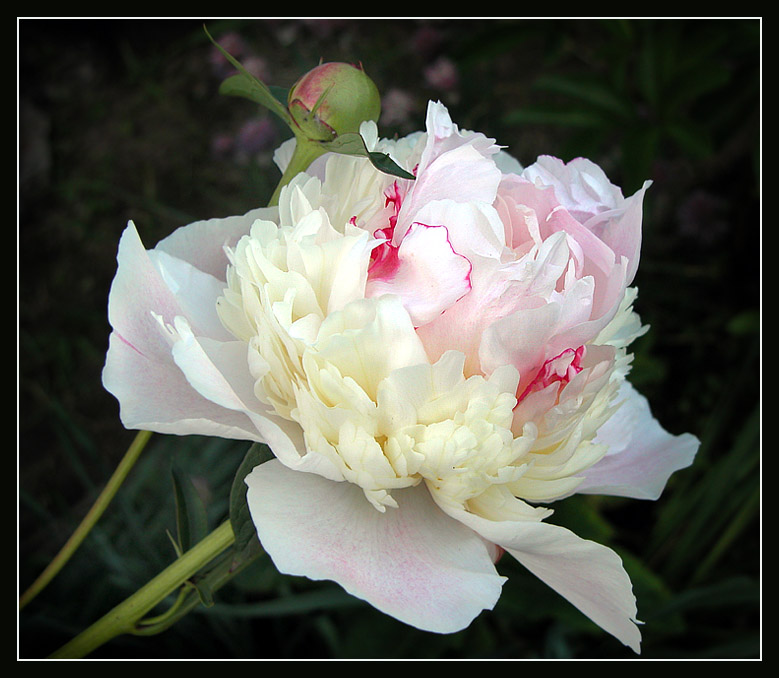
(332, 99)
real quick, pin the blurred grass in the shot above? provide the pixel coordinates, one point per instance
(121, 120)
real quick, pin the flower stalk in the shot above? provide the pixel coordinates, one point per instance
(88, 522)
(127, 617)
(305, 153)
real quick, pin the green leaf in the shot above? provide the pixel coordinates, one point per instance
(383, 163)
(305, 602)
(281, 94)
(191, 521)
(245, 85)
(347, 144)
(248, 87)
(736, 592)
(588, 91)
(246, 542)
(546, 115)
(353, 144)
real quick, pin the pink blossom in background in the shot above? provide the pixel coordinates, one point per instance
(442, 74)
(397, 106)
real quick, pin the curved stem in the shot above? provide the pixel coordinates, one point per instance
(304, 154)
(124, 617)
(189, 598)
(88, 522)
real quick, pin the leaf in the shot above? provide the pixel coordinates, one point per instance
(534, 115)
(292, 604)
(245, 85)
(239, 85)
(246, 542)
(736, 592)
(588, 91)
(383, 163)
(353, 144)
(281, 94)
(191, 521)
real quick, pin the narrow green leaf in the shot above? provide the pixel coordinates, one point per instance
(245, 85)
(246, 542)
(741, 592)
(588, 91)
(191, 521)
(551, 116)
(292, 604)
(281, 94)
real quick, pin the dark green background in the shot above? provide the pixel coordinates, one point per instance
(118, 121)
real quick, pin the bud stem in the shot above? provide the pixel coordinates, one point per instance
(305, 153)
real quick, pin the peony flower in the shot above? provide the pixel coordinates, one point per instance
(433, 362)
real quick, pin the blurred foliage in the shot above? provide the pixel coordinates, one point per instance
(121, 120)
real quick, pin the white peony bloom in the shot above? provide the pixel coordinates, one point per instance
(433, 363)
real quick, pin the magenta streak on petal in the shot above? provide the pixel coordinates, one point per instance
(385, 260)
(462, 256)
(560, 370)
(384, 257)
(127, 343)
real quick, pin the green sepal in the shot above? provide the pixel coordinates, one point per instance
(353, 144)
(309, 124)
(246, 541)
(191, 520)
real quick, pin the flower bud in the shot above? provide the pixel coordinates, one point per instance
(333, 98)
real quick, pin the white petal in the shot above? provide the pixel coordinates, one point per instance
(642, 455)
(202, 243)
(155, 396)
(195, 291)
(218, 371)
(139, 371)
(587, 574)
(137, 288)
(413, 562)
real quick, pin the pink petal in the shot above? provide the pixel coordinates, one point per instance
(581, 186)
(413, 562)
(587, 574)
(425, 271)
(642, 455)
(454, 166)
(620, 229)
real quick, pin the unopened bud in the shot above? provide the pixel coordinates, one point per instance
(332, 99)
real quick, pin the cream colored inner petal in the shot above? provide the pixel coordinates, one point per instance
(354, 374)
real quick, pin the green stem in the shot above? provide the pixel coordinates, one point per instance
(125, 616)
(190, 597)
(100, 505)
(304, 154)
